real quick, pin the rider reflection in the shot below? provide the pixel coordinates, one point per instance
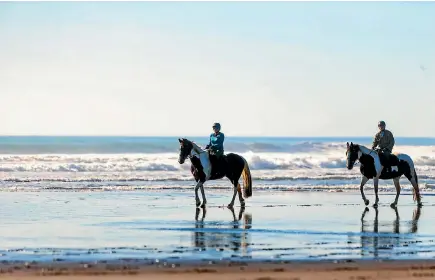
(212, 235)
(383, 243)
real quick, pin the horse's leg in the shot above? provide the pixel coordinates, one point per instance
(376, 185)
(204, 212)
(397, 185)
(241, 211)
(414, 184)
(234, 214)
(204, 200)
(198, 202)
(415, 216)
(231, 205)
(376, 222)
(197, 214)
(241, 199)
(364, 180)
(396, 221)
(364, 214)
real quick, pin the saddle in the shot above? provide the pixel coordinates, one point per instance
(217, 166)
(387, 161)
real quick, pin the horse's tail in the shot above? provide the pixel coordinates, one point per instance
(247, 180)
(413, 175)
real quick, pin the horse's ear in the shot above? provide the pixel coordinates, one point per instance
(180, 140)
(347, 144)
(351, 144)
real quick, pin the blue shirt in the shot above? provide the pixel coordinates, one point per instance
(217, 142)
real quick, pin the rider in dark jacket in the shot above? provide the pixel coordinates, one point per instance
(383, 140)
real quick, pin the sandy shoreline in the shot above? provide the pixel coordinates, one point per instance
(163, 236)
(361, 269)
(91, 227)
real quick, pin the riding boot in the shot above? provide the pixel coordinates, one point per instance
(387, 157)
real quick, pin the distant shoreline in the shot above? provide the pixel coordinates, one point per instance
(204, 136)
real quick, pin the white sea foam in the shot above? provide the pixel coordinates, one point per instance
(308, 156)
(307, 164)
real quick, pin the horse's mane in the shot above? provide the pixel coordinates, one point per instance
(363, 149)
(196, 147)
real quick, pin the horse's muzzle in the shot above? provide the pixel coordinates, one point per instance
(349, 166)
(180, 161)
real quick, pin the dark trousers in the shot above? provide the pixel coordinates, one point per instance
(386, 153)
(214, 160)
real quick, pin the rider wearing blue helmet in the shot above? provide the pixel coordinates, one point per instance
(216, 143)
(216, 146)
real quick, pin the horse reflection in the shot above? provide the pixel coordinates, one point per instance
(385, 243)
(213, 235)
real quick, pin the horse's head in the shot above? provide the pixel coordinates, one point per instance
(351, 154)
(185, 148)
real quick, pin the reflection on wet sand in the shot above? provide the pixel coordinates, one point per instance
(215, 236)
(385, 245)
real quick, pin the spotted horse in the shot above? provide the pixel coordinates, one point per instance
(375, 166)
(231, 165)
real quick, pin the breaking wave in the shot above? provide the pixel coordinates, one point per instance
(307, 163)
(302, 156)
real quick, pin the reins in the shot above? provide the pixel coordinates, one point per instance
(371, 151)
(191, 155)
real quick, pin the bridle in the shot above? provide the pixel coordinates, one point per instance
(357, 159)
(193, 153)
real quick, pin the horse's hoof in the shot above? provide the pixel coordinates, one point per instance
(242, 205)
(375, 205)
(419, 204)
(198, 204)
(230, 206)
(366, 202)
(203, 206)
(367, 209)
(393, 205)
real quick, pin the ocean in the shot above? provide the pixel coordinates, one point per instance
(66, 163)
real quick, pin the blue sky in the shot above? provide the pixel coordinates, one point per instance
(258, 68)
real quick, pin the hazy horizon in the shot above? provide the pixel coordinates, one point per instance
(272, 69)
(207, 135)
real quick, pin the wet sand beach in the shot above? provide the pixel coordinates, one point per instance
(161, 234)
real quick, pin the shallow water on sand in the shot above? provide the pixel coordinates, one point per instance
(46, 226)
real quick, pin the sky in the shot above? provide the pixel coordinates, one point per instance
(258, 68)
